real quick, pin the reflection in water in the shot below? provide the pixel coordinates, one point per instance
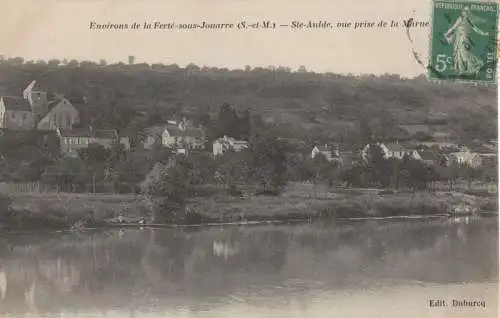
(246, 270)
(224, 249)
(3, 284)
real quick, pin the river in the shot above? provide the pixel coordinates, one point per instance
(343, 269)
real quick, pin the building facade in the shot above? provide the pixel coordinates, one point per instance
(34, 110)
(73, 140)
(391, 151)
(226, 143)
(61, 114)
(182, 136)
(16, 114)
(330, 152)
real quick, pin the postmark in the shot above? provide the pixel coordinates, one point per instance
(463, 42)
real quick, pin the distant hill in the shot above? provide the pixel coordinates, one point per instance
(298, 103)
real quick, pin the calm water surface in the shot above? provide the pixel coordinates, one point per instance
(349, 269)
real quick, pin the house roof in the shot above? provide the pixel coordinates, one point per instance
(428, 155)
(189, 131)
(326, 148)
(395, 147)
(89, 133)
(76, 132)
(240, 142)
(16, 103)
(231, 141)
(52, 104)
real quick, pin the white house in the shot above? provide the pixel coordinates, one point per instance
(226, 143)
(466, 157)
(176, 135)
(330, 152)
(392, 151)
(182, 136)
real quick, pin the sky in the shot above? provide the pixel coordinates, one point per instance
(59, 29)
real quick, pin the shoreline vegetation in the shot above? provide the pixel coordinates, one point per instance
(73, 211)
(311, 146)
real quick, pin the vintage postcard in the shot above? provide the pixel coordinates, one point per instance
(249, 158)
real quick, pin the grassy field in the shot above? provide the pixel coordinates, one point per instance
(349, 204)
(56, 210)
(40, 210)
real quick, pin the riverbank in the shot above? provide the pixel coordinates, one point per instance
(30, 211)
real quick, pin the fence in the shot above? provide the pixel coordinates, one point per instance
(34, 186)
(38, 187)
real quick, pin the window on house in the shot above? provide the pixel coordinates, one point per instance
(13, 115)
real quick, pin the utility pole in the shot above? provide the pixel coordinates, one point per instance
(93, 182)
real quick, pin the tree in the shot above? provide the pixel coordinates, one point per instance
(378, 168)
(95, 157)
(227, 121)
(73, 63)
(470, 174)
(231, 168)
(267, 162)
(298, 168)
(65, 174)
(168, 186)
(203, 168)
(364, 129)
(54, 62)
(355, 176)
(324, 170)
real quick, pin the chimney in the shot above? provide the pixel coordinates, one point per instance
(181, 126)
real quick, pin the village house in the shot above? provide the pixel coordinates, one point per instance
(60, 114)
(34, 110)
(466, 158)
(226, 143)
(182, 136)
(488, 153)
(176, 135)
(330, 152)
(489, 159)
(438, 145)
(392, 151)
(72, 140)
(15, 113)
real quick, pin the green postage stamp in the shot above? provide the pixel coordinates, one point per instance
(463, 44)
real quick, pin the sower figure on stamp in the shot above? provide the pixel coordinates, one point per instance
(464, 61)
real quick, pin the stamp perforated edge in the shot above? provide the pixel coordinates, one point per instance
(434, 80)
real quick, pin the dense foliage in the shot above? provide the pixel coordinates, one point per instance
(282, 114)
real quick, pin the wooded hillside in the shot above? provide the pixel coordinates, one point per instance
(320, 106)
